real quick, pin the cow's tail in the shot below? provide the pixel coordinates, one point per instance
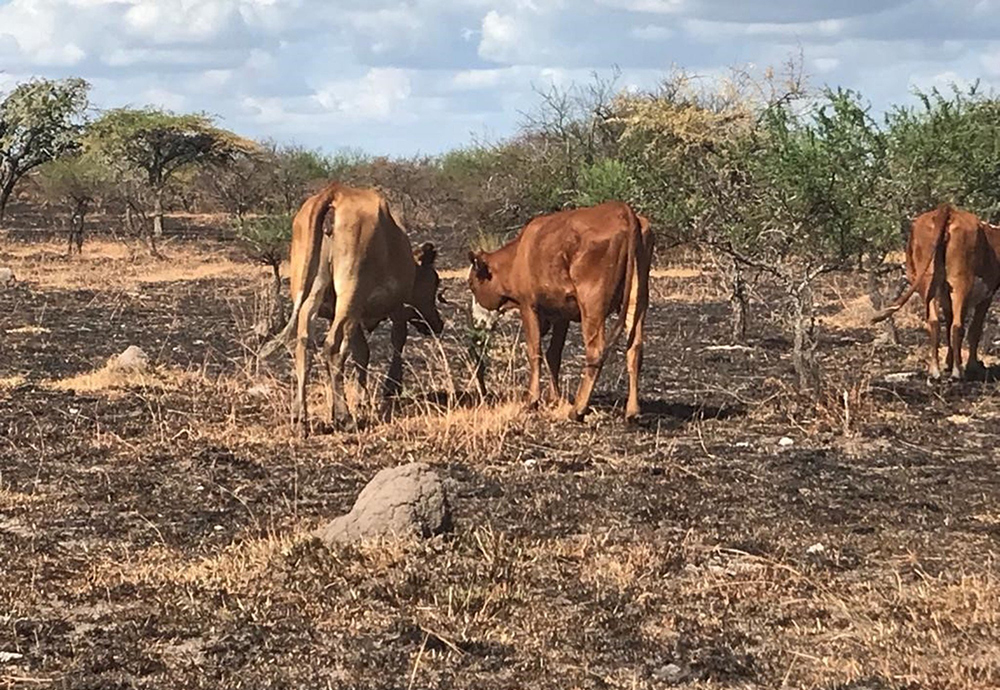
(313, 213)
(631, 289)
(933, 266)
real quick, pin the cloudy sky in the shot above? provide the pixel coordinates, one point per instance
(422, 76)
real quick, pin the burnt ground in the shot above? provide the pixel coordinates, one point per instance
(154, 533)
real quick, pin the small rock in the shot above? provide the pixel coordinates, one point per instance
(816, 549)
(132, 359)
(405, 501)
(9, 656)
(670, 673)
(6, 277)
(960, 419)
(784, 442)
(900, 376)
(260, 390)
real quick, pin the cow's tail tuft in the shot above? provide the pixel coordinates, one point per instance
(933, 265)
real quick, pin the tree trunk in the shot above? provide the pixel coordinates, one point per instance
(804, 338)
(76, 226)
(158, 213)
(739, 302)
(887, 332)
(5, 192)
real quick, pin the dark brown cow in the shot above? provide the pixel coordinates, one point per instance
(577, 265)
(951, 260)
(361, 271)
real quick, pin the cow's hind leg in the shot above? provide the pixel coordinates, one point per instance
(959, 303)
(933, 333)
(633, 360)
(302, 354)
(361, 354)
(335, 350)
(594, 345)
(975, 365)
(553, 357)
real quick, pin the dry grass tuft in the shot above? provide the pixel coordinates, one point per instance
(11, 382)
(110, 378)
(28, 330)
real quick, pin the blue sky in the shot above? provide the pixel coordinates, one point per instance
(423, 76)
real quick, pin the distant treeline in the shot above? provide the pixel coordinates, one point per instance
(775, 178)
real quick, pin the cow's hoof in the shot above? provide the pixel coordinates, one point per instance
(631, 418)
(976, 371)
(532, 405)
(301, 429)
(346, 424)
(576, 415)
(957, 375)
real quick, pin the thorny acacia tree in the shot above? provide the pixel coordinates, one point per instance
(146, 147)
(39, 120)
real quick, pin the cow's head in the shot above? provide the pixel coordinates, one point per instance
(486, 295)
(423, 313)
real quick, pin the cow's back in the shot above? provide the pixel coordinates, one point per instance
(371, 256)
(561, 253)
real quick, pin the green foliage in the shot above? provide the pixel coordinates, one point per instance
(265, 238)
(604, 180)
(294, 170)
(39, 120)
(157, 143)
(946, 149)
(72, 180)
(816, 180)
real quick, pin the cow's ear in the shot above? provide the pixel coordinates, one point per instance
(426, 255)
(480, 266)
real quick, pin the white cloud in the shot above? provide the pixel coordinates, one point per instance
(652, 32)
(376, 96)
(347, 72)
(826, 64)
(500, 37)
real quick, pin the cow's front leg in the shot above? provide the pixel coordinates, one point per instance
(553, 357)
(533, 343)
(394, 381)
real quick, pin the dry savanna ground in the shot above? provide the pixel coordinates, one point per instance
(154, 528)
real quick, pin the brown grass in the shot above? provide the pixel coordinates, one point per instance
(10, 382)
(111, 380)
(105, 264)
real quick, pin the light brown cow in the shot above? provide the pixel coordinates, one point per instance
(577, 265)
(951, 260)
(361, 271)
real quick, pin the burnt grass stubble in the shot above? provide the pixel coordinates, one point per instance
(587, 556)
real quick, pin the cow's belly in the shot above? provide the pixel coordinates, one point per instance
(380, 302)
(563, 307)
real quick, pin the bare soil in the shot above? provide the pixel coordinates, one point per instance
(154, 530)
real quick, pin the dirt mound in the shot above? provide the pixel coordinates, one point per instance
(409, 500)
